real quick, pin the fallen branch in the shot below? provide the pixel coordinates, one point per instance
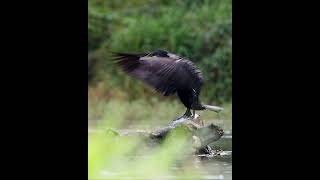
(201, 136)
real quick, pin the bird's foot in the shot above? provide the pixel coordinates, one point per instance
(182, 117)
(186, 115)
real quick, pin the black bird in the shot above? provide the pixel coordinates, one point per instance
(168, 74)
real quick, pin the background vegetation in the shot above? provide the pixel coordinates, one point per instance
(199, 30)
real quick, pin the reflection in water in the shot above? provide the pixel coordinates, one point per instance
(214, 168)
(205, 167)
(217, 168)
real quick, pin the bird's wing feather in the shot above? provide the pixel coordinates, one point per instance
(164, 74)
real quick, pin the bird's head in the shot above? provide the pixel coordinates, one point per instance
(159, 53)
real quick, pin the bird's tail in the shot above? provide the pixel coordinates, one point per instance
(127, 61)
(213, 108)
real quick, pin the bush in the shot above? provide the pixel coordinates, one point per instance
(198, 30)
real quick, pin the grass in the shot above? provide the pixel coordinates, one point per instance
(144, 114)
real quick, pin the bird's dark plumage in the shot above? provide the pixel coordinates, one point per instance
(167, 73)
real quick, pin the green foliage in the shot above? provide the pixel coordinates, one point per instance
(110, 157)
(198, 30)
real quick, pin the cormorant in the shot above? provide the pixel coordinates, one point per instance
(168, 74)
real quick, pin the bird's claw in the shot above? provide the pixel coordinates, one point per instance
(183, 116)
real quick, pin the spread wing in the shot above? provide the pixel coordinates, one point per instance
(164, 74)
